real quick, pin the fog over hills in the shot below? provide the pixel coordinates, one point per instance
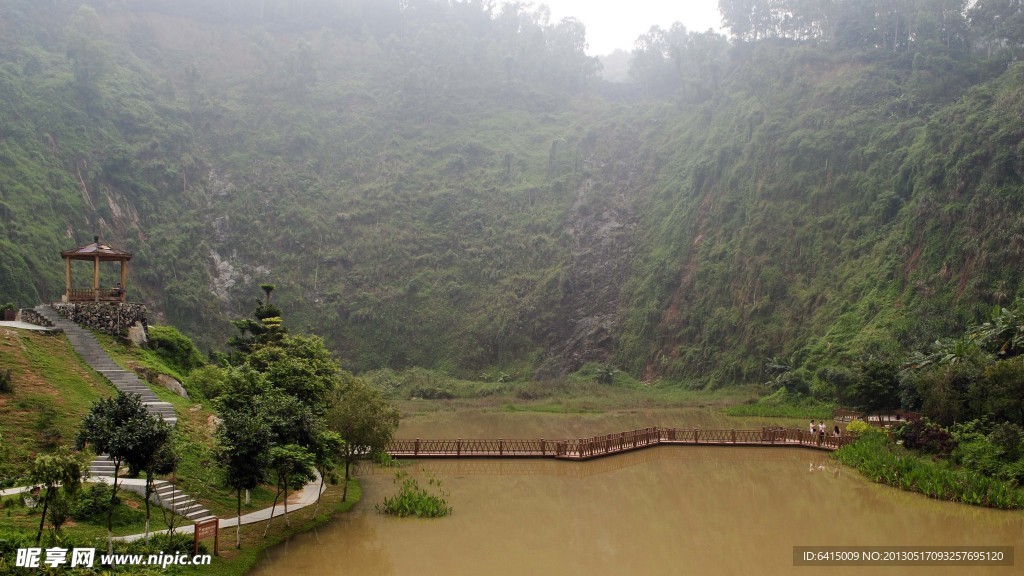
(448, 185)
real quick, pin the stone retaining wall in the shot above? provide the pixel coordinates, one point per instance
(32, 317)
(112, 318)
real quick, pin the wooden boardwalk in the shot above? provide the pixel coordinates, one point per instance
(610, 444)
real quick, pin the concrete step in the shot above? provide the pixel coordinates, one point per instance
(180, 499)
(136, 388)
(193, 516)
(168, 491)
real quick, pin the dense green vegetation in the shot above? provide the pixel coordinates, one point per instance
(449, 185)
(881, 461)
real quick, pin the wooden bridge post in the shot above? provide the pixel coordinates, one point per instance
(733, 435)
(458, 447)
(696, 436)
(501, 446)
(416, 448)
(579, 447)
(541, 446)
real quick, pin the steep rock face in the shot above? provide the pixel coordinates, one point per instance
(617, 171)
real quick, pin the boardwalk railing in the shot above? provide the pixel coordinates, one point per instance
(598, 446)
(890, 418)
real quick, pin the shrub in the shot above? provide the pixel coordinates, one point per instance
(432, 393)
(175, 348)
(92, 502)
(1008, 437)
(604, 374)
(927, 436)
(6, 381)
(794, 382)
(208, 380)
(857, 427)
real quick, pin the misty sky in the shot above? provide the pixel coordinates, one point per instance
(615, 24)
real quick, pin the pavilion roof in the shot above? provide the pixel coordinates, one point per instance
(94, 249)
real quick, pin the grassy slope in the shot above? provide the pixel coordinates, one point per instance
(52, 393)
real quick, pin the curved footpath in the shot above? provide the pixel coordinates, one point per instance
(296, 501)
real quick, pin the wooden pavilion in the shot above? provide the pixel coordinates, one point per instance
(95, 252)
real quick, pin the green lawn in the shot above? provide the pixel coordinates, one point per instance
(52, 392)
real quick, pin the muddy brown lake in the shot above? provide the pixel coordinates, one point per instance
(663, 510)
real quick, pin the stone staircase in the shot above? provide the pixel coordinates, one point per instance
(170, 497)
(89, 349)
(164, 493)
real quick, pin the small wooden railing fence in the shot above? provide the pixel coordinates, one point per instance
(90, 295)
(606, 445)
(890, 418)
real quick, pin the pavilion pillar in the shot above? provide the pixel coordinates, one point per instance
(96, 278)
(67, 279)
(124, 279)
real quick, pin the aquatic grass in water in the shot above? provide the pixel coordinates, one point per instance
(414, 500)
(878, 459)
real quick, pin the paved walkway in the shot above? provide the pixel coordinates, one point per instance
(296, 501)
(27, 326)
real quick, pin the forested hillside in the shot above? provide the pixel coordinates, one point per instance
(450, 185)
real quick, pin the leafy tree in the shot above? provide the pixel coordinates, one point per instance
(327, 450)
(293, 467)
(155, 457)
(876, 387)
(243, 446)
(1005, 383)
(52, 470)
(1003, 333)
(121, 428)
(364, 419)
(265, 327)
(300, 366)
(999, 24)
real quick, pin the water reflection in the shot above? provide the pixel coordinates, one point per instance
(667, 510)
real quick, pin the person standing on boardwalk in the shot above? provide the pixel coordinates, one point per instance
(812, 428)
